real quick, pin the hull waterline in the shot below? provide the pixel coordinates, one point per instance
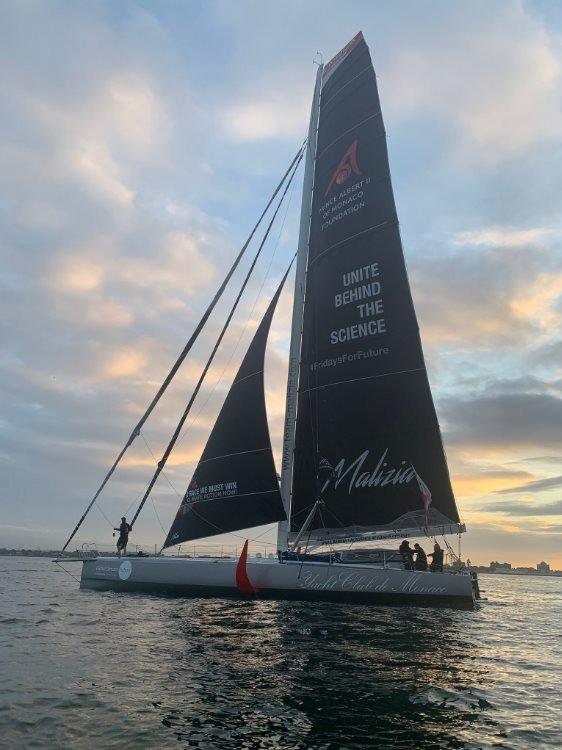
(216, 577)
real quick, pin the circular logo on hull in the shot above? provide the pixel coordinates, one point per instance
(125, 570)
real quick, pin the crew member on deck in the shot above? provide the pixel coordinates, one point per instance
(437, 561)
(407, 555)
(421, 558)
(123, 530)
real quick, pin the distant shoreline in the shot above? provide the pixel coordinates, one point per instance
(537, 574)
(56, 553)
(46, 553)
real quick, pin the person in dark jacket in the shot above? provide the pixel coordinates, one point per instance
(123, 530)
(421, 558)
(437, 561)
(407, 555)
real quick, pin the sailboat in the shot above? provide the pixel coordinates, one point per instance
(363, 459)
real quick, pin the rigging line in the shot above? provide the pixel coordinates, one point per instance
(67, 571)
(221, 531)
(240, 337)
(305, 509)
(167, 479)
(99, 509)
(178, 493)
(136, 431)
(268, 528)
(338, 520)
(185, 414)
(138, 499)
(156, 514)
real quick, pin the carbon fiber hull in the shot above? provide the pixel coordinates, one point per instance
(216, 577)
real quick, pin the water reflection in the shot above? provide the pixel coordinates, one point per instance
(81, 668)
(286, 674)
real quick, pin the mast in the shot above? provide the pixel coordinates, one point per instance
(298, 312)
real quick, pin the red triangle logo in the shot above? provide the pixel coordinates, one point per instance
(347, 166)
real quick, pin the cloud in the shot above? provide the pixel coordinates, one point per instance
(265, 118)
(181, 266)
(124, 363)
(527, 509)
(136, 112)
(77, 274)
(538, 303)
(557, 460)
(501, 237)
(490, 296)
(536, 486)
(107, 313)
(549, 353)
(92, 162)
(503, 422)
(177, 458)
(500, 96)
(524, 545)
(474, 480)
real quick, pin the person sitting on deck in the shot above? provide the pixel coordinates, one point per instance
(421, 558)
(437, 561)
(407, 555)
(123, 530)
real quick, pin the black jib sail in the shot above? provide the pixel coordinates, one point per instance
(367, 438)
(235, 484)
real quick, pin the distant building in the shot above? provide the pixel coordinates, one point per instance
(498, 566)
(543, 567)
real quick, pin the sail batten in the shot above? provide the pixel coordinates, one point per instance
(368, 444)
(357, 380)
(351, 237)
(235, 453)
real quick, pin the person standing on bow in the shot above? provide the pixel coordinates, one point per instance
(123, 530)
(421, 558)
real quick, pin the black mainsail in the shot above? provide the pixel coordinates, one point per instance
(367, 440)
(235, 484)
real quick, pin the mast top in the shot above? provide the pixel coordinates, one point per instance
(332, 64)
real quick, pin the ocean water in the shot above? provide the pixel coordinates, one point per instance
(82, 669)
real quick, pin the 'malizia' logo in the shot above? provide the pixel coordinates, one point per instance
(347, 166)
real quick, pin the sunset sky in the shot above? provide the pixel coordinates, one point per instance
(139, 141)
